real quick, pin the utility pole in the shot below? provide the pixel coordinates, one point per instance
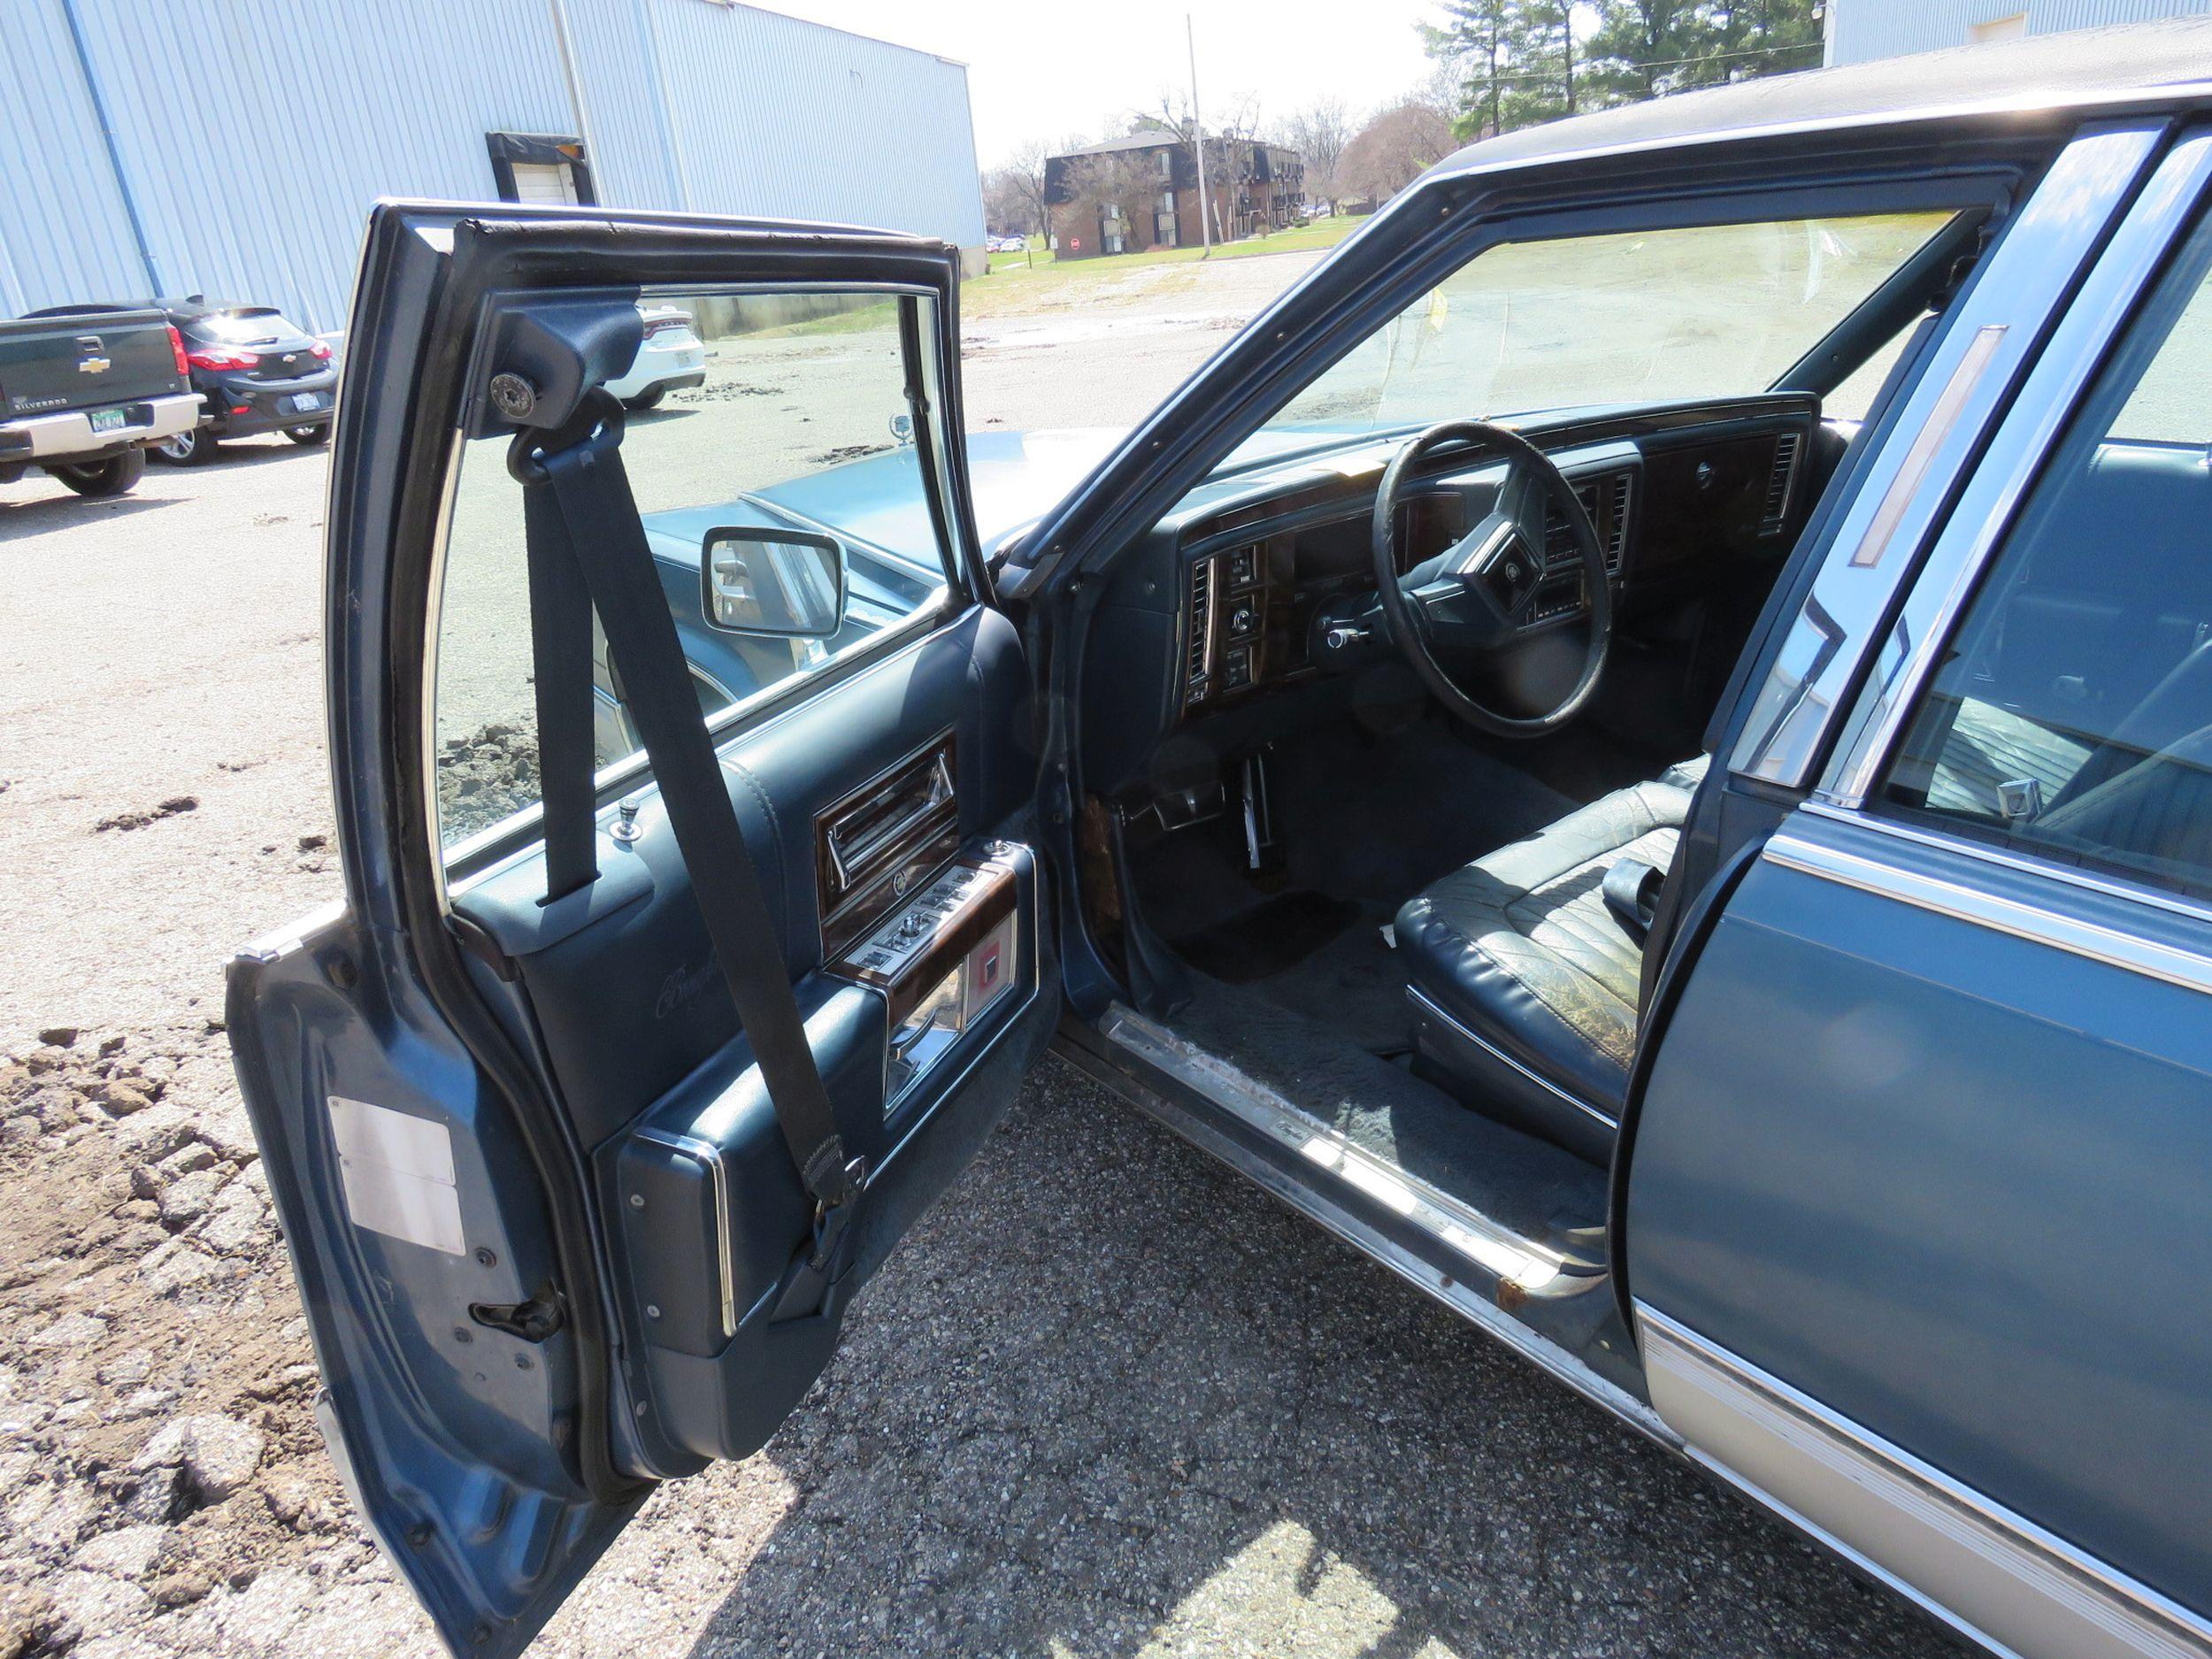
(1198, 143)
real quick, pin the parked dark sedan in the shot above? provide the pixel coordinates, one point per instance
(259, 371)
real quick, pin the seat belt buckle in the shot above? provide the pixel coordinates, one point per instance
(833, 1221)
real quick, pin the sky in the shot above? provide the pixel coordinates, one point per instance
(1046, 69)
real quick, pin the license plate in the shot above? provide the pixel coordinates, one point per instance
(303, 402)
(109, 420)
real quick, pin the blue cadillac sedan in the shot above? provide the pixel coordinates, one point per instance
(1638, 747)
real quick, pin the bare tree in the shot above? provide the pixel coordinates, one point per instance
(1394, 148)
(1005, 205)
(1023, 176)
(1319, 132)
(1230, 135)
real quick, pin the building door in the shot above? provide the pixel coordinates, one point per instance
(551, 183)
(541, 168)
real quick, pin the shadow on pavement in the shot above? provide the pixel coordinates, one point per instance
(20, 520)
(1111, 1401)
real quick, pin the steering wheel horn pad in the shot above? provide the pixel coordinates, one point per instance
(1476, 593)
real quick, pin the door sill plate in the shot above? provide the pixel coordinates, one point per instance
(1433, 1241)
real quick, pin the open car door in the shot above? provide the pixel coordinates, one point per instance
(691, 941)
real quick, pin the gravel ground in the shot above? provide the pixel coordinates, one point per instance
(1109, 1401)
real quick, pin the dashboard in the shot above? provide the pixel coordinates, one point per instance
(1218, 609)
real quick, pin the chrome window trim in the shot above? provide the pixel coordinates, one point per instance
(2037, 923)
(2054, 234)
(1985, 1570)
(1422, 999)
(1969, 540)
(2019, 860)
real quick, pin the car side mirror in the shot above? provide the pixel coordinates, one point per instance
(785, 583)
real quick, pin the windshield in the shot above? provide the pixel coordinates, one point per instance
(1640, 316)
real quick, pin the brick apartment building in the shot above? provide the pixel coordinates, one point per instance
(1126, 195)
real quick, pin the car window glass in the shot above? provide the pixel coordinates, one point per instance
(785, 410)
(2072, 715)
(1638, 316)
(238, 326)
(1855, 395)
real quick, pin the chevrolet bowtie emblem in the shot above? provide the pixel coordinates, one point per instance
(92, 366)
(90, 358)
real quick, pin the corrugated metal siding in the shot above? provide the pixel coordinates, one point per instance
(630, 160)
(65, 235)
(254, 183)
(1859, 30)
(255, 133)
(779, 117)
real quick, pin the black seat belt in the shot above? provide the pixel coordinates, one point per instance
(584, 536)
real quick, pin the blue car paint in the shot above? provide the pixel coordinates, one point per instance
(1950, 1182)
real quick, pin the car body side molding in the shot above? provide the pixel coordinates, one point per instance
(1993, 1576)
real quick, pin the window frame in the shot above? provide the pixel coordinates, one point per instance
(462, 863)
(2117, 322)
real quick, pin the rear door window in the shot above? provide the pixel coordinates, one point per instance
(2072, 715)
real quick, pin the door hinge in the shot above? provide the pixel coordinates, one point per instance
(534, 1321)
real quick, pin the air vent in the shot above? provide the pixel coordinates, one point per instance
(1605, 501)
(1616, 528)
(1780, 482)
(1200, 651)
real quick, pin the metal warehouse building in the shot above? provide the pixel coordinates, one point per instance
(1858, 30)
(233, 147)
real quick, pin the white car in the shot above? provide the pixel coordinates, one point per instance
(1008, 244)
(669, 358)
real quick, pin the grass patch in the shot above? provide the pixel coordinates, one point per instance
(1044, 263)
(881, 317)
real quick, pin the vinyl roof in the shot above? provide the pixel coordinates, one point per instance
(2077, 66)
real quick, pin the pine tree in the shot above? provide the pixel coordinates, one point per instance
(1521, 63)
(1477, 35)
(1644, 49)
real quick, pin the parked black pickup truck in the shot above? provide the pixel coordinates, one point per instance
(83, 393)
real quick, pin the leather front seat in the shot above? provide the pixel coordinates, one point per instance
(1525, 982)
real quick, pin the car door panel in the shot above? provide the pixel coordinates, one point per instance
(543, 1208)
(643, 970)
(1924, 1143)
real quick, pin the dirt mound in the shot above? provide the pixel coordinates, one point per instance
(157, 1447)
(485, 777)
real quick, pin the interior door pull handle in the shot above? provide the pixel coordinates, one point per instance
(845, 862)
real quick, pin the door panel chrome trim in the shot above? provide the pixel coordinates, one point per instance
(1968, 540)
(1990, 1573)
(709, 1157)
(1422, 1000)
(2030, 272)
(2190, 970)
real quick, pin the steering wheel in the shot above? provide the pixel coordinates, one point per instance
(1477, 594)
